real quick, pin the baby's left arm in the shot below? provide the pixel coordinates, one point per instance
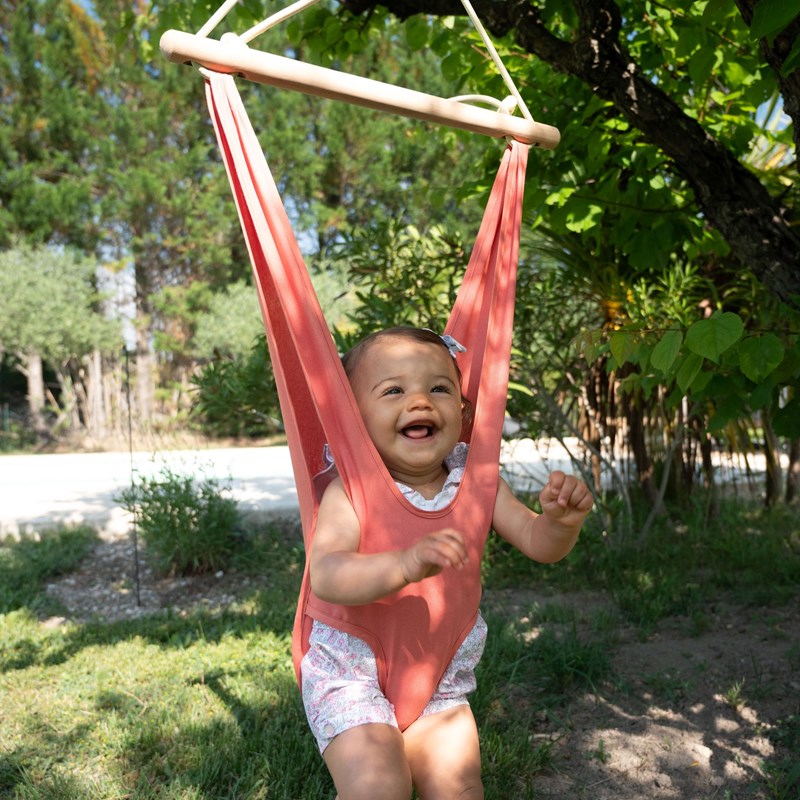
(549, 536)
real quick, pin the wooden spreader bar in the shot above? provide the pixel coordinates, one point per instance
(231, 55)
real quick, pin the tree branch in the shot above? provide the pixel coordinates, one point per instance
(731, 198)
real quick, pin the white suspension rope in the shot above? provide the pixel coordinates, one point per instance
(300, 5)
(497, 61)
(217, 17)
(275, 19)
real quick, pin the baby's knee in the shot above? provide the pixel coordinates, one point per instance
(453, 789)
(470, 791)
(385, 787)
(368, 762)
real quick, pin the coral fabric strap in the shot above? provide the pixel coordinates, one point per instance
(318, 407)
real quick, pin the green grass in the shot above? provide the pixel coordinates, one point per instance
(26, 563)
(206, 706)
(685, 561)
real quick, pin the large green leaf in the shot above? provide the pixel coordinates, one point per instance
(786, 420)
(760, 355)
(770, 17)
(711, 337)
(688, 370)
(622, 346)
(666, 351)
(417, 32)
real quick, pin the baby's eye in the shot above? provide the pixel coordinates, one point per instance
(392, 390)
(441, 388)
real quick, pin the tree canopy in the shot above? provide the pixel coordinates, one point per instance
(669, 90)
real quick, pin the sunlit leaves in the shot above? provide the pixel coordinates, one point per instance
(417, 31)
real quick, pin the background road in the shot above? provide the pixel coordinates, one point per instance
(41, 490)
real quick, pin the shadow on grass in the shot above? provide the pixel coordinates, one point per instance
(26, 566)
(260, 748)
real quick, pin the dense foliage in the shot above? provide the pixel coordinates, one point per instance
(657, 319)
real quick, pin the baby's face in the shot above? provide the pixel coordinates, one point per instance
(410, 400)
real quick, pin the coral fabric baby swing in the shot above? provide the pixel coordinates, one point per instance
(317, 404)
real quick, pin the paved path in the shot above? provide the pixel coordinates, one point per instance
(41, 490)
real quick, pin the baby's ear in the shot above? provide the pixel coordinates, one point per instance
(466, 412)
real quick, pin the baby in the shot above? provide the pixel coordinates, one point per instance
(406, 383)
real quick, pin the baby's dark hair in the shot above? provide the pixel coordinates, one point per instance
(352, 358)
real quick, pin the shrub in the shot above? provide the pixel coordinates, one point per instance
(188, 526)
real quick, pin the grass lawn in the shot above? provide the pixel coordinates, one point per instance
(205, 704)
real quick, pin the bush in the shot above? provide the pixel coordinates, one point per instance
(237, 396)
(188, 527)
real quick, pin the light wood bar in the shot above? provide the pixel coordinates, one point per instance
(230, 55)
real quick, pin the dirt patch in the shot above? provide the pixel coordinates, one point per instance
(689, 714)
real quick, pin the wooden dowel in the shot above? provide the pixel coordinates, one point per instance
(230, 55)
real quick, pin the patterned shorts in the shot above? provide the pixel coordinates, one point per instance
(340, 682)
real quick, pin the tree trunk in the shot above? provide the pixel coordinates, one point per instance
(793, 473)
(731, 198)
(772, 454)
(33, 370)
(96, 410)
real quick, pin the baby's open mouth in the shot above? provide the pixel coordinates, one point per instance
(418, 431)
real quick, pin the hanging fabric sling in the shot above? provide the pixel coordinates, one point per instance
(319, 409)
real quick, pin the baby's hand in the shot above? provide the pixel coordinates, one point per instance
(431, 554)
(565, 499)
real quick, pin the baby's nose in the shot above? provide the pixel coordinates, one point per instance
(419, 400)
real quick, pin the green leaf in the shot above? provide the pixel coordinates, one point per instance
(792, 61)
(590, 344)
(711, 337)
(688, 371)
(666, 351)
(453, 68)
(770, 17)
(786, 420)
(761, 396)
(701, 380)
(584, 217)
(622, 346)
(520, 387)
(714, 8)
(560, 197)
(728, 408)
(760, 355)
(417, 32)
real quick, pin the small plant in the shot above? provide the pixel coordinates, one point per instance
(668, 687)
(566, 663)
(734, 696)
(599, 753)
(188, 527)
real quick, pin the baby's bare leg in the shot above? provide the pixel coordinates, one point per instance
(369, 762)
(444, 753)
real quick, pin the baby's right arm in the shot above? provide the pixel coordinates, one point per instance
(340, 574)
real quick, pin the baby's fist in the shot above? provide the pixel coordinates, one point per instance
(565, 498)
